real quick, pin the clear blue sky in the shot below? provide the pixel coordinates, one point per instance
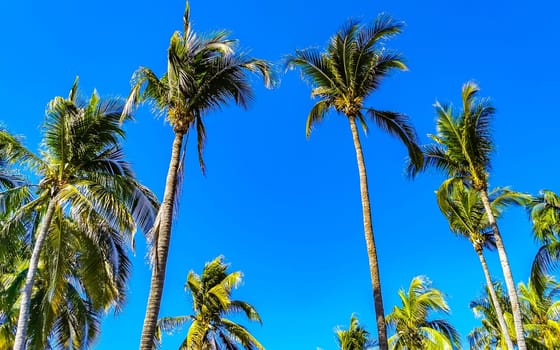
(286, 210)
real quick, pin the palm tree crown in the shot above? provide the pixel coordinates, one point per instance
(413, 329)
(542, 311)
(350, 70)
(465, 212)
(356, 337)
(463, 143)
(203, 75)
(211, 293)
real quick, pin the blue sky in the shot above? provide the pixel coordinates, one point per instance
(286, 210)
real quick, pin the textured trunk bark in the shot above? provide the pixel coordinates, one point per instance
(512, 292)
(23, 318)
(162, 246)
(370, 241)
(495, 300)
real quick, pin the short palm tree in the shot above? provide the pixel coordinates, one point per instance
(542, 310)
(544, 210)
(349, 71)
(462, 149)
(203, 74)
(464, 210)
(355, 337)
(83, 176)
(490, 334)
(413, 328)
(209, 329)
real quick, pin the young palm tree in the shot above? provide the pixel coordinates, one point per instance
(542, 310)
(490, 334)
(83, 176)
(464, 210)
(209, 329)
(545, 216)
(413, 329)
(355, 337)
(462, 149)
(350, 70)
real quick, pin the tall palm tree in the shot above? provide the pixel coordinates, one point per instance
(83, 176)
(211, 294)
(355, 337)
(490, 334)
(464, 210)
(350, 70)
(413, 328)
(544, 210)
(542, 309)
(462, 149)
(203, 74)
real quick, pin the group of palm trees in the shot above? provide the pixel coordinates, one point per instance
(69, 212)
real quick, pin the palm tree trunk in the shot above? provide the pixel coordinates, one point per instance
(514, 300)
(370, 241)
(162, 247)
(21, 332)
(495, 300)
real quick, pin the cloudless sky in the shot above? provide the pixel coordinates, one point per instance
(285, 210)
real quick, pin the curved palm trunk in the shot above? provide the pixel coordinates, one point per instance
(162, 247)
(495, 300)
(370, 241)
(23, 318)
(514, 300)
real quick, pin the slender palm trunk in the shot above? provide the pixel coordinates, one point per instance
(21, 333)
(370, 241)
(162, 247)
(514, 300)
(495, 300)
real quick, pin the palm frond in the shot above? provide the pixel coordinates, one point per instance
(13, 151)
(315, 66)
(241, 334)
(398, 125)
(316, 115)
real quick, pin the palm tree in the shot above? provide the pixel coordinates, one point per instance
(83, 176)
(490, 334)
(464, 210)
(462, 149)
(351, 69)
(355, 337)
(211, 294)
(544, 210)
(413, 329)
(203, 74)
(542, 310)
(13, 254)
(73, 288)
